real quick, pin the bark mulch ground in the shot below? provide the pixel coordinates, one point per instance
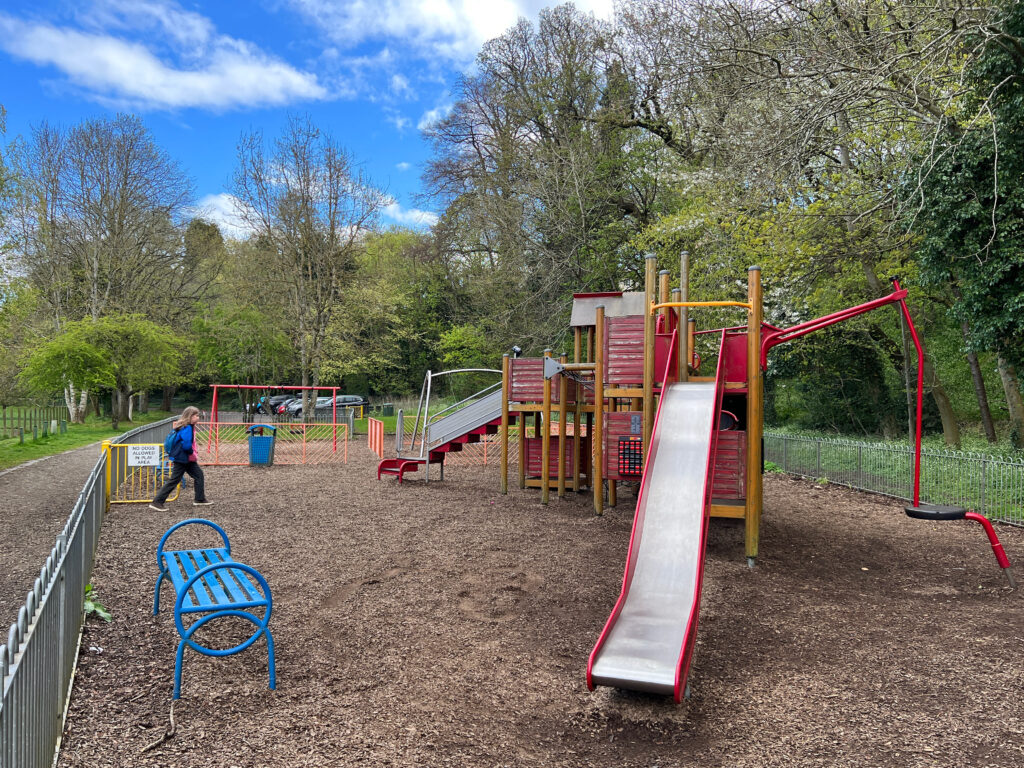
(445, 624)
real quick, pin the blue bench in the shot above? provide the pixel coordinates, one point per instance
(208, 581)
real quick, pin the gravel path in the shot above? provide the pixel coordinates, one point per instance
(36, 499)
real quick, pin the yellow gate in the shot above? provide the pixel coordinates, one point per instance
(137, 471)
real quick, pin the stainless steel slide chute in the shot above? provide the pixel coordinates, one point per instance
(648, 639)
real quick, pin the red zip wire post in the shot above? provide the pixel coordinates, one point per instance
(921, 511)
(918, 511)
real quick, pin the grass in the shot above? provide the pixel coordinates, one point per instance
(94, 430)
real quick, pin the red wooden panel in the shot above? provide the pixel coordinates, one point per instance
(619, 424)
(624, 350)
(527, 386)
(730, 478)
(735, 362)
(533, 451)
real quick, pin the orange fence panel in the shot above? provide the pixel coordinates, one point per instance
(375, 436)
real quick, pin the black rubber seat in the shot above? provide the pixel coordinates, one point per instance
(935, 512)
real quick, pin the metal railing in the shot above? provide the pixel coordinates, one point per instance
(990, 485)
(37, 662)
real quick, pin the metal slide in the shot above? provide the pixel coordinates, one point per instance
(647, 642)
(458, 423)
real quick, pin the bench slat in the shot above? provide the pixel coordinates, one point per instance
(197, 597)
(221, 589)
(210, 580)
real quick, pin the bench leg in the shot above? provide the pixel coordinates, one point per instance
(270, 659)
(156, 591)
(177, 669)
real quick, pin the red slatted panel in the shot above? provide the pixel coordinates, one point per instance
(624, 350)
(618, 425)
(527, 374)
(533, 451)
(736, 357)
(730, 480)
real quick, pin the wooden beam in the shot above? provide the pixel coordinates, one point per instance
(755, 412)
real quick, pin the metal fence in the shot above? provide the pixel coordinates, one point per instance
(990, 485)
(37, 662)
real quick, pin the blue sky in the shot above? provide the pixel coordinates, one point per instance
(372, 72)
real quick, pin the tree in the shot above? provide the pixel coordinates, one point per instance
(311, 208)
(970, 206)
(120, 353)
(96, 221)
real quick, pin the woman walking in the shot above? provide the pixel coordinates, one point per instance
(185, 458)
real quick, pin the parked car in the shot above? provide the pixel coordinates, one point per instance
(343, 401)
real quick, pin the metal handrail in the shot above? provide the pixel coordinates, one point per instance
(424, 404)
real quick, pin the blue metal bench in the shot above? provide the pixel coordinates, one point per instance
(208, 581)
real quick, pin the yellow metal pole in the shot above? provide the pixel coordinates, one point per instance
(563, 394)
(545, 446)
(755, 414)
(106, 450)
(685, 340)
(505, 381)
(650, 284)
(597, 439)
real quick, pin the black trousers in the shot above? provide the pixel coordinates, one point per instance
(178, 469)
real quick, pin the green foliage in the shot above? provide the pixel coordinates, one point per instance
(971, 203)
(125, 353)
(93, 606)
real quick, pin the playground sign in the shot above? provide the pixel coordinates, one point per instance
(143, 455)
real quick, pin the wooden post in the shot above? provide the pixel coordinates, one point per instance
(597, 438)
(663, 296)
(650, 285)
(506, 382)
(613, 485)
(563, 394)
(680, 331)
(545, 446)
(577, 411)
(755, 413)
(685, 338)
(521, 440)
(590, 345)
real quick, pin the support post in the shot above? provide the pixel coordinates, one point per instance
(597, 439)
(685, 337)
(563, 395)
(650, 285)
(578, 401)
(755, 414)
(545, 445)
(505, 381)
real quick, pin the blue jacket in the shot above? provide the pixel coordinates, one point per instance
(183, 444)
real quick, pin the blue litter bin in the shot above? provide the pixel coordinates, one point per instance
(261, 446)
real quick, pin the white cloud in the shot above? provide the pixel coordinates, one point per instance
(211, 72)
(399, 121)
(412, 217)
(222, 210)
(403, 166)
(452, 29)
(433, 116)
(400, 86)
